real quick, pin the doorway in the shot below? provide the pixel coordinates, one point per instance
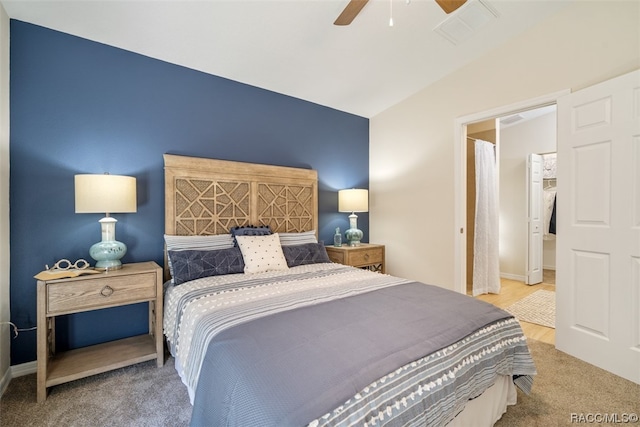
(516, 136)
(526, 247)
(461, 202)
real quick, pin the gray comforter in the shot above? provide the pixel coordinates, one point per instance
(407, 354)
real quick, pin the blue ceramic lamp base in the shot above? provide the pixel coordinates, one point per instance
(108, 252)
(353, 234)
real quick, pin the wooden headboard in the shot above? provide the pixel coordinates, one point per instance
(208, 196)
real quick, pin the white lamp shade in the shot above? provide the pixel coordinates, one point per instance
(353, 200)
(105, 193)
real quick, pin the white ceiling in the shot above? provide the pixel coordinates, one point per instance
(292, 46)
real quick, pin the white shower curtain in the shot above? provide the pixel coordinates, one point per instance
(486, 263)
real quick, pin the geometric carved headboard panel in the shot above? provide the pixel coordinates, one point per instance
(287, 207)
(209, 207)
(208, 196)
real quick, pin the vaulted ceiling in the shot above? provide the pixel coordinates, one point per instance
(292, 46)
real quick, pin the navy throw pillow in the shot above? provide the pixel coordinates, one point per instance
(195, 264)
(308, 253)
(250, 230)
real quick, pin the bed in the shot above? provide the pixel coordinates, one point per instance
(266, 331)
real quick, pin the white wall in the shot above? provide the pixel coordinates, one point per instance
(517, 141)
(412, 143)
(4, 200)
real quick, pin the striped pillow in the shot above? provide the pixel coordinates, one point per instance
(290, 239)
(213, 242)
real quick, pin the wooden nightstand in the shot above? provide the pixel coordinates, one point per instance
(133, 283)
(367, 255)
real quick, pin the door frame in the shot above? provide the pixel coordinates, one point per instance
(460, 174)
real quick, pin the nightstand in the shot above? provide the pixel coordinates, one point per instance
(367, 255)
(133, 283)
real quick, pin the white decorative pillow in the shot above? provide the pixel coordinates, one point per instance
(262, 253)
(291, 239)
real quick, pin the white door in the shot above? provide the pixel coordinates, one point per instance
(598, 225)
(534, 219)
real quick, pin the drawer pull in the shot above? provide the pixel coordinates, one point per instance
(366, 257)
(106, 291)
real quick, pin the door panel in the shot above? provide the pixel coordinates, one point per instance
(598, 226)
(535, 219)
(592, 301)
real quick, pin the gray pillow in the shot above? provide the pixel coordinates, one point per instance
(195, 264)
(308, 253)
(290, 239)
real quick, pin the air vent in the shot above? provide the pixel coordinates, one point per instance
(463, 23)
(511, 119)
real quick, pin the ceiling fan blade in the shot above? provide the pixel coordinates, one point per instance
(350, 12)
(450, 5)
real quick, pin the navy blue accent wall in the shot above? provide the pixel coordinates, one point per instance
(82, 107)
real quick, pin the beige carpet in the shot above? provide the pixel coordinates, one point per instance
(136, 396)
(538, 308)
(143, 395)
(566, 386)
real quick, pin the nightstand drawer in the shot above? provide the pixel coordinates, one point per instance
(337, 257)
(366, 257)
(96, 293)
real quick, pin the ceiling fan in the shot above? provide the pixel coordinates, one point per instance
(355, 6)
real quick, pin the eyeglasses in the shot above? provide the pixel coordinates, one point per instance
(65, 264)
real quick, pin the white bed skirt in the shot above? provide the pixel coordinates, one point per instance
(486, 409)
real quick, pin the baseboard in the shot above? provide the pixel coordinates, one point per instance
(16, 371)
(549, 267)
(510, 276)
(24, 369)
(4, 381)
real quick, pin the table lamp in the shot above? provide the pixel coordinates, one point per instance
(353, 200)
(106, 194)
